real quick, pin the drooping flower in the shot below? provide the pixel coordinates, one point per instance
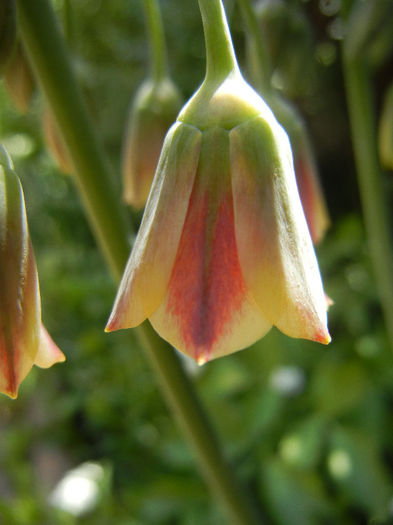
(223, 252)
(23, 339)
(152, 113)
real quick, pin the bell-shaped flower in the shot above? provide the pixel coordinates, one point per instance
(156, 106)
(223, 252)
(23, 339)
(309, 187)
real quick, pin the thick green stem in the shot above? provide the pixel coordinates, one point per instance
(260, 60)
(159, 61)
(220, 55)
(41, 36)
(49, 57)
(364, 133)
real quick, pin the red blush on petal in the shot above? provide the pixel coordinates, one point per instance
(206, 286)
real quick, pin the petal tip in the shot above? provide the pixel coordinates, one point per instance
(111, 325)
(322, 336)
(12, 394)
(202, 360)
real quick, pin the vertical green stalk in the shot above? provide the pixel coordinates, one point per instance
(220, 55)
(159, 60)
(364, 133)
(260, 60)
(48, 54)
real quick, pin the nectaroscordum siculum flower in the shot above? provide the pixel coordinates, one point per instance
(152, 112)
(23, 339)
(223, 252)
(18, 79)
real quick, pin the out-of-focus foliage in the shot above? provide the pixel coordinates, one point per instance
(309, 428)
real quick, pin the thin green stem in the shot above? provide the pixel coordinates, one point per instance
(41, 36)
(159, 61)
(199, 433)
(220, 55)
(260, 60)
(364, 133)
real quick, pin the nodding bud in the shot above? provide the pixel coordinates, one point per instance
(154, 110)
(19, 80)
(23, 340)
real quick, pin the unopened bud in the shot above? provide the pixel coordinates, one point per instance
(154, 110)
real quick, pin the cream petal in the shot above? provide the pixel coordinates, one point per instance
(247, 326)
(148, 269)
(274, 245)
(207, 311)
(309, 187)
(20, 308)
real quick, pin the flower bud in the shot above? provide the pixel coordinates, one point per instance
(7, 32)
(386, 130)
(19, 80)
(23, 340)
(154, 110)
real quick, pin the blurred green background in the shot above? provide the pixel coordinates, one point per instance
(308, 428)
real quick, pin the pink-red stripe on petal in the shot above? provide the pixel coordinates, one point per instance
(207, 311)
(206, 284)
